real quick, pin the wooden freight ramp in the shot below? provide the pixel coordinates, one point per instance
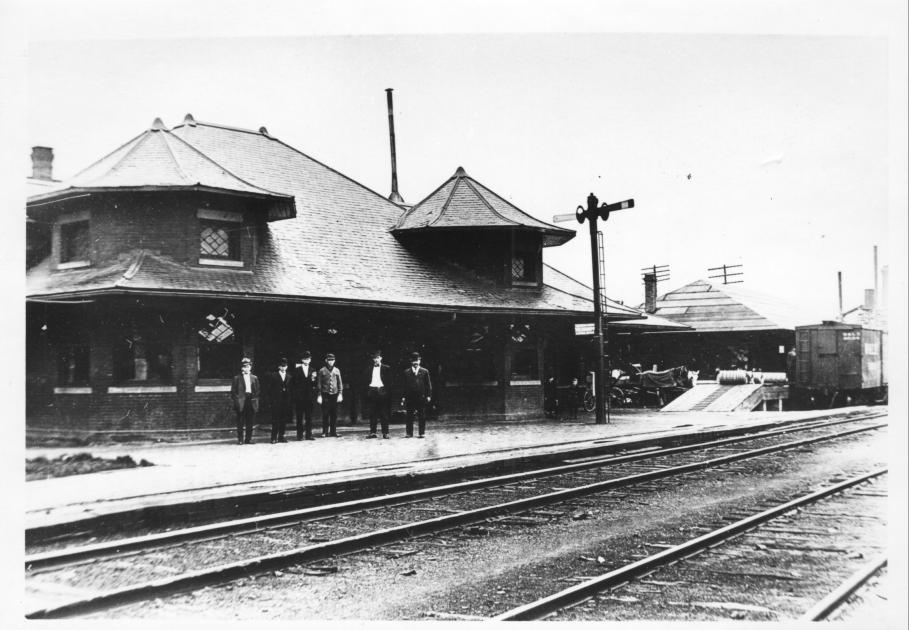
(716, 397)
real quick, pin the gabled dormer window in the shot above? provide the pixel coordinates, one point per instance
(73, 240)
(523, 268)
(220, 238)
(526, 262)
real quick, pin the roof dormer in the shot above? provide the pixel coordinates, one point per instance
(465, 222)
(462, 202)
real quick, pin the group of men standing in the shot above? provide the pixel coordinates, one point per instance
(289, 393)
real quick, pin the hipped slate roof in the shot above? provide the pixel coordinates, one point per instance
(433, 288)
(160, 159)
(708, 307)
(338, 249)
(463, 202)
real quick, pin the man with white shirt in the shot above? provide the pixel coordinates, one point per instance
(244, 391)
(302, 384)
(377, 381)
(417, 394)
(279, 399)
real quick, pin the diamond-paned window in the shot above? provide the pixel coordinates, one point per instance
(219, 240)
(524, 267)
(215, 242)
(517, 268)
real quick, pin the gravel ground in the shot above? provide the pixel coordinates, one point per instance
(487, 569)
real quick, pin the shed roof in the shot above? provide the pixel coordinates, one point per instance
(708, 307)
(339, 248)
(463, 202)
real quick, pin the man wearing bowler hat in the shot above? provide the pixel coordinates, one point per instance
(302, 385)
(279, 399)
(329, 392)
(244, 391)
(417, 393)
(377, 380)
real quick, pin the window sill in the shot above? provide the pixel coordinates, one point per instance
(525, 284)
(525, 382)
(72, 390)
(219, 262)
(75, 264)
(474, 384)
(199, 389)
(143, 389)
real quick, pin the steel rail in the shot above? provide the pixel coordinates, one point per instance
(580, 592)
(732, 431)
(57, 558)
(838, 596)
(243, 568)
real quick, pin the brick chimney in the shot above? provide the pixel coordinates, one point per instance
(42, 163)
(650, 293)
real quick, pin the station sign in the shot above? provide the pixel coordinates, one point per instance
(584, 329)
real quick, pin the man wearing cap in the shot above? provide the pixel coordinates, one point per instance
(279, 399)
(377, 380)
(329, 391)
(244, 391)
(417, 393)
(302, 385)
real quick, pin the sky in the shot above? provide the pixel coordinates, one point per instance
(762, 149)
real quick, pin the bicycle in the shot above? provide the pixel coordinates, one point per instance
(615, 398)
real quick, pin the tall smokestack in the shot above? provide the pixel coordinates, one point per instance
(650, 293)
(394, 197)
(42, 163)
(882, 298)
(839, 282)
(874, 303)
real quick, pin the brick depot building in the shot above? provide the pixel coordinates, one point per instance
(155, 269)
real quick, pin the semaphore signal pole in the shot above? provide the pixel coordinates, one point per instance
(593, 212)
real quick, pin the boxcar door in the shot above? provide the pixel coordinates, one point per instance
(825, 364)
(849, 361)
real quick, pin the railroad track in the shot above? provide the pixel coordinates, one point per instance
(732, 554)
(837, 599)
(236, 501)
(92, 571)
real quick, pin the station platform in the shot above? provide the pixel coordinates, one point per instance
(188, 472)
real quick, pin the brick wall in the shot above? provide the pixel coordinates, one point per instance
(165, 224)
(524, 401)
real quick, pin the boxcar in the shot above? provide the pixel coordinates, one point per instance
(839, 364)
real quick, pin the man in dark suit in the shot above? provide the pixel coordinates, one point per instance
(376, 383)
(329, 393)
(244, 391)
(302, 385)
(417, 393)
(278, 390)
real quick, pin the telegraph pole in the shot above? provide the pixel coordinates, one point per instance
(593, 212)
